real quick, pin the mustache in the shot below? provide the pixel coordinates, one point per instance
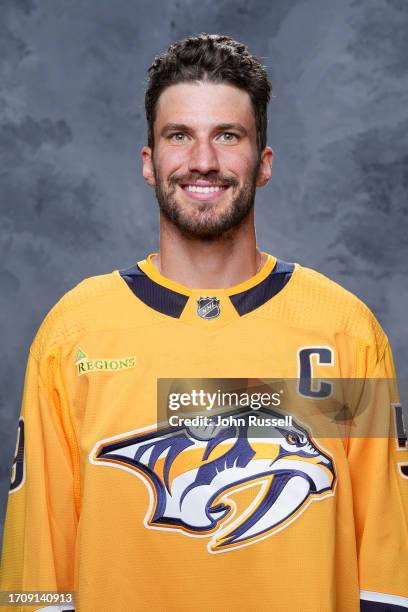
(210, 177)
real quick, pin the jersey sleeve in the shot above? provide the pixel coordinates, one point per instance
(378, 460)
(42, 510)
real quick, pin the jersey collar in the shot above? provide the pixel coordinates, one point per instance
(206, 307)
(148, 267)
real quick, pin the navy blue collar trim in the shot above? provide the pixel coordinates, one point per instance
(156, 296)
(171, 303)
(248, 300)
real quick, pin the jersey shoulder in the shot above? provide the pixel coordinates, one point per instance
(311, 300)
(97, 302)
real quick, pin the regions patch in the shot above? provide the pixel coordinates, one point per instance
(85, 365)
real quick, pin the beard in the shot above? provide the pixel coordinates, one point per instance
(201, 220)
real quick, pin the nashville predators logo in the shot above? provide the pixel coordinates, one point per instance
(233, 487)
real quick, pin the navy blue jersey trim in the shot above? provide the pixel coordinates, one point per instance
(378, 606)
(156, 296)
(248, 300)
(171, 303)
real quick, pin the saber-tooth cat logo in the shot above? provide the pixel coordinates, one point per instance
(234, 488)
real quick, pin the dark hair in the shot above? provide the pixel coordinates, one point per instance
(214, 58)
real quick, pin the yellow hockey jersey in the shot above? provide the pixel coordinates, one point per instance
(131, 515)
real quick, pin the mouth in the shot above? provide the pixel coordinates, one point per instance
(204, 191)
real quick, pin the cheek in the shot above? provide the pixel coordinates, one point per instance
(169, 161)
(240, 163)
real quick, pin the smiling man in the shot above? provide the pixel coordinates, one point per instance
(206, 163)
(303, 508)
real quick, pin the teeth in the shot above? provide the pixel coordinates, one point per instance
(200, 189)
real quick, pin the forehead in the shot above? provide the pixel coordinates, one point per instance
(202, 104)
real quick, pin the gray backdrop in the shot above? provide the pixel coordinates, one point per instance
(72, 200)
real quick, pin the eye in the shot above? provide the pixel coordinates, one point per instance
(291, 439)
(178, 137)
(228, 137)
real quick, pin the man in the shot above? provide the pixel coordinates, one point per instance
(133, 508)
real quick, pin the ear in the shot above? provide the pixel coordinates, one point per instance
(265, 167)
(147, 170)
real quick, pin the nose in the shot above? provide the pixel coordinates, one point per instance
(203, 158)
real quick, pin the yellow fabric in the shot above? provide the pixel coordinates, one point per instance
(78, 524)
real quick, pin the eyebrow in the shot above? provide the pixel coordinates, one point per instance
(232, 126)
(182, 127)
(175, 127)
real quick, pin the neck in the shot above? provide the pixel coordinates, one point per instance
(217, 264)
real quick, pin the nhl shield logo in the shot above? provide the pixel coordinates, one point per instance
(208, 307)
